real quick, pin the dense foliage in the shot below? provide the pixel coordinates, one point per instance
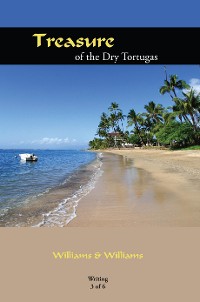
(174, 126)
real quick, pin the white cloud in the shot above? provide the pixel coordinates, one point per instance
(52, 141)
(195, 84)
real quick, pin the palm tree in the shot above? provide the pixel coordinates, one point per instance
(116, 116)
(179, 110)
(172, 84)
(137, 120)
(114, 107)
(154, 112)
(192, 107)
(103, 127)
(168, 116)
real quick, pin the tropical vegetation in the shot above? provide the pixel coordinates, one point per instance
(175, 126)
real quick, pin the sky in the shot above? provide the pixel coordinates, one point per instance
(59, 106)
(106, 13)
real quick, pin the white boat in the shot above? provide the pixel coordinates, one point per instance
(28, 157)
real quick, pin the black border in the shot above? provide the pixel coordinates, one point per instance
(171, 45)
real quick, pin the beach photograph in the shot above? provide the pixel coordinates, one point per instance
(100, 146)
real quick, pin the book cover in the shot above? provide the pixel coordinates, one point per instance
(99, 163)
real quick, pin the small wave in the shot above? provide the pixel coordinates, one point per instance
(66, 210)
(4, 211)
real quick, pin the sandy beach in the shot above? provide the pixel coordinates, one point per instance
(143, 188)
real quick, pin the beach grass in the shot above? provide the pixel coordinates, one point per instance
(197, 147)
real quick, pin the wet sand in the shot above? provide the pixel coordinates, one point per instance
(56, 206)
(143, 188)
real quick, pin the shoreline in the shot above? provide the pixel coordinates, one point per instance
(55, 206)
(143, 188)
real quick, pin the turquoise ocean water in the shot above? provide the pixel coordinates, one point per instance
(46, 192)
